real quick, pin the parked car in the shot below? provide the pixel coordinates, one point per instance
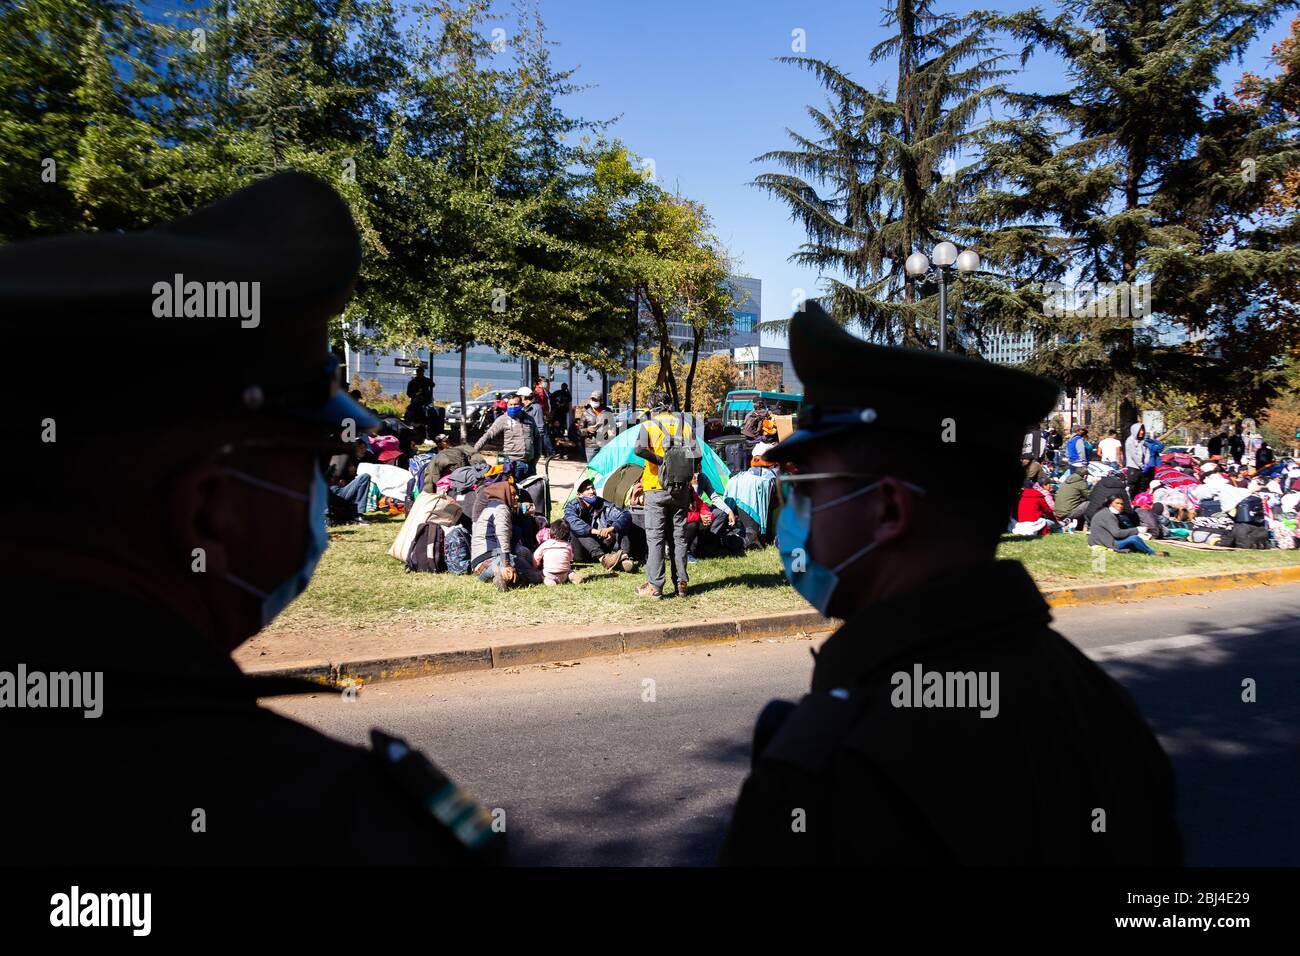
(1196, 451)
(479, 415)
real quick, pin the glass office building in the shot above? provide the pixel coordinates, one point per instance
(500, 371)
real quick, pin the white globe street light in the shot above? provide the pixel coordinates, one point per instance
(945, 254)
(918, 265)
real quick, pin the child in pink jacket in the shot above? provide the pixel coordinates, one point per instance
(555, 555)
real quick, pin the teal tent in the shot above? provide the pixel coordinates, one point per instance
(619, 452)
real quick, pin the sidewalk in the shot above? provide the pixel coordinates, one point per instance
(563, 475)
(371, 654)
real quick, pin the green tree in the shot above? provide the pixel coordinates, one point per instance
(79, 104)
(678, 269)
(880, 176)
(715, 376)
(1136, 174)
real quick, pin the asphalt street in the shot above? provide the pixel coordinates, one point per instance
(637, 759)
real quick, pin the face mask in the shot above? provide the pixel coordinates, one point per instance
(514, 411)
(815, 583)
(594, 404)
(589, 499)
(279, 597)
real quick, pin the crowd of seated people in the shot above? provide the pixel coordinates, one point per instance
(1213, 502)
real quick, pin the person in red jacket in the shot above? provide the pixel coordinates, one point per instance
(1033, 505)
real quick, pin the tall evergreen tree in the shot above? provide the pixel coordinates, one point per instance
(79, 106)
(880, 177)
(1138, 174)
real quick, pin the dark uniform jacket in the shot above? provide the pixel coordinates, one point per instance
(181, 732)
(1108, 487)
(872, 783)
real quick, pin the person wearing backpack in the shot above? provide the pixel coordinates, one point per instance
(672, 454)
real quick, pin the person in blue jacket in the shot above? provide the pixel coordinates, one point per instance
(1077, 450)
(601, 530)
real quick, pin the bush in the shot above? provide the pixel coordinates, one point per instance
(373, 397)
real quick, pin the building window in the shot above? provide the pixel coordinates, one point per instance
(745, 321)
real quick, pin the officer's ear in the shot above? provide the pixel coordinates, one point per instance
(204, 515)
(897, 510)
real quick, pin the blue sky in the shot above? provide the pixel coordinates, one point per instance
(697, 90)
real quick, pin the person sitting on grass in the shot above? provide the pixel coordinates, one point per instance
(601, 531)
(749, 495)
(1071, 503)
(1034, 514)
(1106, 531)
(707, 520)
(496, 556)
(1033, 468)
(1155, 521)
(555, 556)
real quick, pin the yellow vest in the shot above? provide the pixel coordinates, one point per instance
(664, 422)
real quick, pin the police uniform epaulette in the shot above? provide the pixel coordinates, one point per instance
(464, 817)
(813, 731)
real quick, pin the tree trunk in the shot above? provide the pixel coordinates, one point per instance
(697, 337)
(464, 425)
(636, 347)
(667, 378)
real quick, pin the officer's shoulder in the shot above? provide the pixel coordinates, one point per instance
(813, 730)
(385, 803)
(461, 829)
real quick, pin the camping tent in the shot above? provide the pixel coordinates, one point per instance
(621, 452)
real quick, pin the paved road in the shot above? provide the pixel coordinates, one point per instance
(592, 771)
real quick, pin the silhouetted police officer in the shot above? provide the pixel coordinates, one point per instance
(946, 722)
(180, 517)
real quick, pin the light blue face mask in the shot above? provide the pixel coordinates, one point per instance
(815, 582)
(279, 597)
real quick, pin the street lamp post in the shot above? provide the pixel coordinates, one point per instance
(943, 258)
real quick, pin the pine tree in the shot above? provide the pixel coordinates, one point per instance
(1136, 174)
(79, 108)
(879, 178)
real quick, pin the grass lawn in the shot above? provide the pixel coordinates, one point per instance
(358, 584)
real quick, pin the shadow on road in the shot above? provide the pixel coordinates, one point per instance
(1237, 764)
(642, 821)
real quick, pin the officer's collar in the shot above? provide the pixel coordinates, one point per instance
(979, 603)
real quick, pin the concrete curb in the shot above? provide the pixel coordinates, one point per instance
(488, 657)
(1164, 587)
